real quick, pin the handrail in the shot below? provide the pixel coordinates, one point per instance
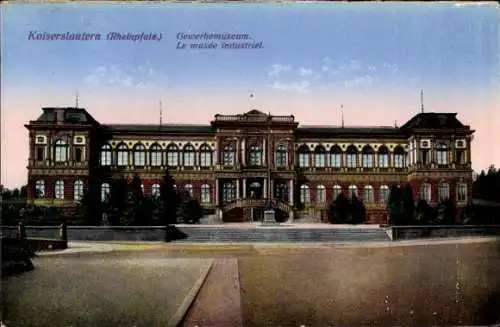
(253, 202)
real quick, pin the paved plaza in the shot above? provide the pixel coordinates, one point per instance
(440, 282)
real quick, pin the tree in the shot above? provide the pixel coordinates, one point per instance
(357, 211)
(135, 204)
(340, 209)
(424, 213)
(116, 202)
(395, 205)
(408, 205)
(170, 202)
(190, 210)
(446, 212)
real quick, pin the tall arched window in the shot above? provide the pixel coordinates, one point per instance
(304, 156)
(461, 192)
(444, 191)
(229, 155)
(320, 194)
(255, 155)
(336, 157)
(105, 192)
(78, 192)
(368, 195)
(228, 192)
(122, 154)
(106, 155)
(399, 157)
(367, 157)
(39, 189)
(155, 153)
(60, 151)
(59, 190)
(205, 156)
(189, 154)
(337, 189)
(282, 192)
(172, 155)
(305, 194)
(442, 154)
(139, 155)
(384, 192)
(383, 157)
(353, 190)
(319, 157)
(352, 156)
(281, 156)
(188, 188)
(425, 192)
(155, 190)
(205, 193)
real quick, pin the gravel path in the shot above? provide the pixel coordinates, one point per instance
(100, 290)
(218, 303)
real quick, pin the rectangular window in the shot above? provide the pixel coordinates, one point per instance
(351, 160)
(367, 160)
(319, 160)
(205, 159)
(78, 154)
(229, 158)
(189, 159)
(336, 160)
(122, 158)
(383, 161)
(40, 154)
(172, 159)
(156, 158)
(303, 160)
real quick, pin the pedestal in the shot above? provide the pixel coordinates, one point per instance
(269, 217)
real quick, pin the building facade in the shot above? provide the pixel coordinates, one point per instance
(239, 163)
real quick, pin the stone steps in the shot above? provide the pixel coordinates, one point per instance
(277, 234)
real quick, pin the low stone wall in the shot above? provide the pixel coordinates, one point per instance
(416, 232)
(204, 233)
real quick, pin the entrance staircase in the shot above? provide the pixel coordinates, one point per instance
(202, 234)
(240, 210)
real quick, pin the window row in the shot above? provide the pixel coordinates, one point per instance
(368, 194)
(444, 192)
(442, 155)
(61, 152)
(205, 191)
(190, 157)
(59, 190)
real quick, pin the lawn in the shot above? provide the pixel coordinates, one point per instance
(411, 285)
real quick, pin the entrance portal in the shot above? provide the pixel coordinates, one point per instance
(255, 190)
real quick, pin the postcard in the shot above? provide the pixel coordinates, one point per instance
(250, 164)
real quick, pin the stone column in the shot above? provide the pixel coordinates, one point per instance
(290, 192)
(216, 195)
(264, 153)
(237, 189)
(264, 190)
(272, 189)
(216, 152)
(238, 151)
(243, 152)
(244, 188)
(130, 158)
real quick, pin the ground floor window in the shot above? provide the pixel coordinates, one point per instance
(105, 191)
(228, 192)
(282, 192)
(205, 193)
(305, 194)
(320, 194)
(40, 189)
(78, 194)
(59, 190)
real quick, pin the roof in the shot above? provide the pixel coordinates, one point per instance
(377, 131)
(155, 128)
(433, 120)
(71, 115)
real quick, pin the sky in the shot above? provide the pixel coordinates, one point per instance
(373, 60)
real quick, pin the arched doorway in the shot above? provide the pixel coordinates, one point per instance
(255, 190)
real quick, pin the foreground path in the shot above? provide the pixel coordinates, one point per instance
(218, 303)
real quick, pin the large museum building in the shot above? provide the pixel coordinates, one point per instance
(238, 164)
